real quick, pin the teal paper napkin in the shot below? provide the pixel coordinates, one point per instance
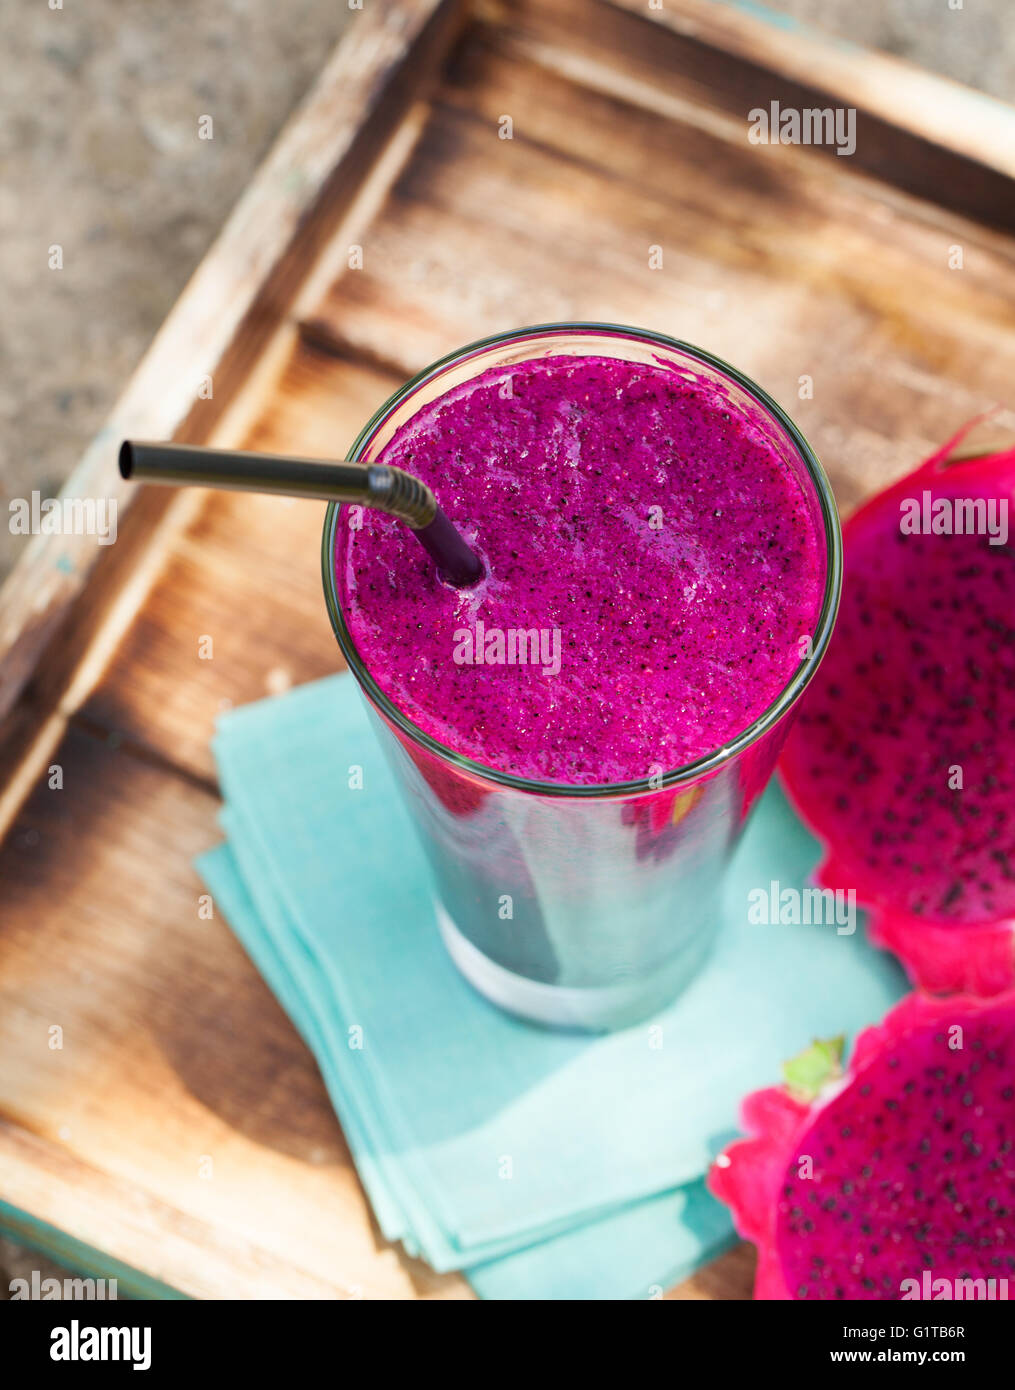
(636, 1252)
(535, 1160)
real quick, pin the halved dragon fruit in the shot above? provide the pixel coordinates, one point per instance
(895, 1180)
(902, 760)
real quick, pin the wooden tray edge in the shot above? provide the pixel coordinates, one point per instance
(926, 104)
(67, 601)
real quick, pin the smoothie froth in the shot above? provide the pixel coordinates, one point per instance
(640, 531)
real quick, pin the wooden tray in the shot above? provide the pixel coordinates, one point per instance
(629, 132)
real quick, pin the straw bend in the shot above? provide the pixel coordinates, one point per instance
(399, 493)
(376, 485)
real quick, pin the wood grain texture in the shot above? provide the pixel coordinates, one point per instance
(173, 1052)
(788, 265)
(246, 573)
(915, 130)
(628, 134)
(730, 1278)
(925, 106)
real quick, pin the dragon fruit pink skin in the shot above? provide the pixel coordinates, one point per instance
(919, 680)
(912, 1161)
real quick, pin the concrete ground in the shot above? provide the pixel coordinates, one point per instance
(972, 43)
(99, 154)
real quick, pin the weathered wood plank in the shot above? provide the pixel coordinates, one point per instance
(245, 573)
(173, 1052)
(915, 130)
(729, 1277)
(931, 109)
(777, 262)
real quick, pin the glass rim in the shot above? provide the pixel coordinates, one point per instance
(689, 772)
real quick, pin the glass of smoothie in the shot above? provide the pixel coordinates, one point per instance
(581, 735)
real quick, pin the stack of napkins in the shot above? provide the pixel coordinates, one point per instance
(543, 1164)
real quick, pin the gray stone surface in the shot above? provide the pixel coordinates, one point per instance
(99, 154)
(974, 44)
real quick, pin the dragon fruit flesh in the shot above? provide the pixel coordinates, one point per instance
(896, 1180)
(902, 759)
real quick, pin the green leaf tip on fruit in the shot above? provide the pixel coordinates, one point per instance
(810, 1071)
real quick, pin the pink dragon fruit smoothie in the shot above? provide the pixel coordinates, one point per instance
(628, 511)
(656, 579)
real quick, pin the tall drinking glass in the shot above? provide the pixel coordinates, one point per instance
(585, 906)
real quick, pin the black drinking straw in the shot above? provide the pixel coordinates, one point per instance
(370, 484)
